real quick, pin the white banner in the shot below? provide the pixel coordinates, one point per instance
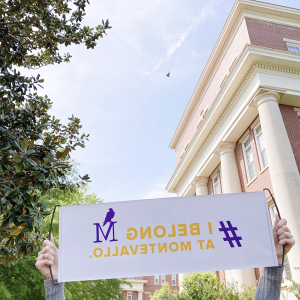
(165, 236)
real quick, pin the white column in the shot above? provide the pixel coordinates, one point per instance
(232, 184)
(140, 295)
(201, 185)
(283, 168)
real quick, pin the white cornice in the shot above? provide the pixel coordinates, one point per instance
(240, 9)
(262, 66)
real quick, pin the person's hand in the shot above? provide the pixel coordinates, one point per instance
(48, 256)
(282, 236)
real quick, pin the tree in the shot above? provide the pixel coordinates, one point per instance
(205, 286)
(24, 281)
(34, 147)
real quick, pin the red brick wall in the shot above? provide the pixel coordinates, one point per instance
(292, 125)
(263, 179)
(270, 35)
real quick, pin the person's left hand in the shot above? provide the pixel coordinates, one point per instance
(282, 236)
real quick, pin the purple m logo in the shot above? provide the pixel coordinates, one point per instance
(99, 229)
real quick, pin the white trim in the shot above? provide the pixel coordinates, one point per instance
(237, 93)
(297, 109)
(244, 136)
(129, 295)
(292, 42)
(240, 10)
(223, 81)
(156, 279)
(162, 279)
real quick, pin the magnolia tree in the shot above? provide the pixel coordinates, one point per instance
(34, 146)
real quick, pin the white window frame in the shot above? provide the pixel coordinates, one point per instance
(244, 154)
(174, 281)
(258, 148)
(156, 279)
(162, 279)
(292, 43)
(215, 182)
(129, 295)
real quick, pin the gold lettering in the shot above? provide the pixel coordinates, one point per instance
(144, 249)
(194, 229)
(173, 234)
(124, 251)
(134, 252)
(201, 243)
(152, 247)
(95, 252)
(131, 236)
(176, 247)
(209, 228)
(182, 230)
(162, 247)
(163, 231)
(108, 252)
(186, 246)
(144, 233)
(117, 251)
(210, 244)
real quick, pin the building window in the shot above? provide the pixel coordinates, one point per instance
(216, 184)
(129, 295)
(173, 279)
(130, 277)
(162, 279)
(294, 49)
(298, 113)
(260, 147)
(156, 279)
(249, 161)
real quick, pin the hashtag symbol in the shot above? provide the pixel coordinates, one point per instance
(229, 238)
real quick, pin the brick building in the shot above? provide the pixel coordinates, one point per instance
(240, 131)
(143, 287)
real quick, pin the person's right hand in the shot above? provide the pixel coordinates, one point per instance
(48, 256)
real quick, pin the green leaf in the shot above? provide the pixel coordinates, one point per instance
(24, 143)
(31, 144)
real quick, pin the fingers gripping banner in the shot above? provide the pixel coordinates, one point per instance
(165, 236)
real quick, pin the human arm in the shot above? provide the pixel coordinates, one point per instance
(270, 280)
(48, 256)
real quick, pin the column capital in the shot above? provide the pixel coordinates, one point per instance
(266, 96)
(200, 181)
(225, 147)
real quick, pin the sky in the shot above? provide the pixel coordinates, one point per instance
(121, 94)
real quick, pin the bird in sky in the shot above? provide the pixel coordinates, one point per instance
(109, 216)
(168, 74)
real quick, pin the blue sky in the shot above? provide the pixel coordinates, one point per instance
(121, 94)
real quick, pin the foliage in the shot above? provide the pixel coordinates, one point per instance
(34, 146)
(295, 287)
(205, 286)
(24, 281)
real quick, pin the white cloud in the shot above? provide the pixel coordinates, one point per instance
(175, 40)
(157, 191)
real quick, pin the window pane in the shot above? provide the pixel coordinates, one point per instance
(163, 279)
(156, 279)
(251, 171)
(264, 159)
(298, 115)
(294, 49)
(173, 279)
